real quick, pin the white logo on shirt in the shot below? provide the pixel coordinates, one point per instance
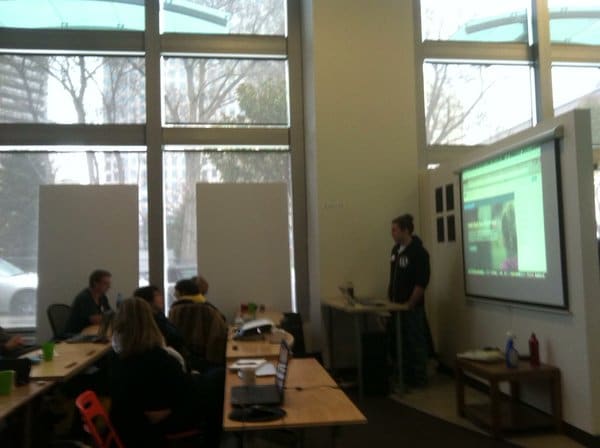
(403, 262)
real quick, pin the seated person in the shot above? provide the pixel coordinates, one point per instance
(202, 284)
(203, 288)
(151, 394)
(153, 296)
(204, 333)
(9, 343)
(187, 290)
(90, 303)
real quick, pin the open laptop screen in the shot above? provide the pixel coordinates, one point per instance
(282, 366)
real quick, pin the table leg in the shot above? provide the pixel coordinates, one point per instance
(359, 354)
(495, 408)
(27, 425)
(335, 432)
(460, 391)
(329, 336)
(557, 401)
(399, 387)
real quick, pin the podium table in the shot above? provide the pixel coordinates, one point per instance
(358, 311)
(508, 413)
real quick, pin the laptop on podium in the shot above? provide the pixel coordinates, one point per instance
(265, 394)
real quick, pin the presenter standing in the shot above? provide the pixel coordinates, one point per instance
(409, 276)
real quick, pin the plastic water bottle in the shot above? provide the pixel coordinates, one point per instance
(119, 299)
(534, 351)
(511, 353)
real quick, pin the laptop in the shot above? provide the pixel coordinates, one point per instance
(104, 330)
(265, 394)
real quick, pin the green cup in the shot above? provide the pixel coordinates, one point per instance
(48, 351)
(252, 309)
(7, 381)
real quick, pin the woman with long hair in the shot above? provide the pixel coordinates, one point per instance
(152, 396)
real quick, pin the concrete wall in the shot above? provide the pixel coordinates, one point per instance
(360, 140)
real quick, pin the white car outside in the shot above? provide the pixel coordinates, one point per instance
(18, 290)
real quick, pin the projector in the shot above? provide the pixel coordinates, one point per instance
(254, 329)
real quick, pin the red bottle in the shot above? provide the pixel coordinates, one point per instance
(534, 351)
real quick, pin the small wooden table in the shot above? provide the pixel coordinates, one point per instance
(21, 399)
(358, 312)
(508, 414)
(21, 395)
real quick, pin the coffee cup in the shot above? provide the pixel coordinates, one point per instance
(248, 375)
(7, 381)
(48, 351)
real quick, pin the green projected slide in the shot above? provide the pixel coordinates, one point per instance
(503, 213)
(511, 226)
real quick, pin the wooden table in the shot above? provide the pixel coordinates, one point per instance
(69, 360)
(312, 398)
(508, 414)
(21, 399)
(359, 312)
(21, 395)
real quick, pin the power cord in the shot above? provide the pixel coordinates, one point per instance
(319, 386)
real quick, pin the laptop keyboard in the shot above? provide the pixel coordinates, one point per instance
(83, 338)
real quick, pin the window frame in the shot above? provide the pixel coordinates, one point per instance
(540, 53)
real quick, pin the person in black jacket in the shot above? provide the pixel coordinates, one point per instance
(154, 297)
(90, 303)
(409, 276)
(152, 396)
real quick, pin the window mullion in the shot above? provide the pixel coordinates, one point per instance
(542, 60)
(156, 233)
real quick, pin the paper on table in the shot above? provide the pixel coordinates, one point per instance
(482, 355)
(267, 369)
(247, 362)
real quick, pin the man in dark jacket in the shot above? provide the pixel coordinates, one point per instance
(409, 276)
(90, 303)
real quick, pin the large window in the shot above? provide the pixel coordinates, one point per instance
(71, 89)
(266, 17)
(22, 172)
(485, 66)
(468, 103)
(226, 91)
(474, 20)
(575, 21)
(152, 93)
(185, 167)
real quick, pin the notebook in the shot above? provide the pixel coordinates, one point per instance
(265, 394)
(103, 330)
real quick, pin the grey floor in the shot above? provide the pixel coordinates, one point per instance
(438, 399)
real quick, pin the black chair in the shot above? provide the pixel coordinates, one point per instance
(58, 315)
(292, 323)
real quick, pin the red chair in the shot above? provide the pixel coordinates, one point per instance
(96, 421)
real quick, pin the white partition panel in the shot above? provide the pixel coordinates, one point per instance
(243, 244)
(82, 228)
